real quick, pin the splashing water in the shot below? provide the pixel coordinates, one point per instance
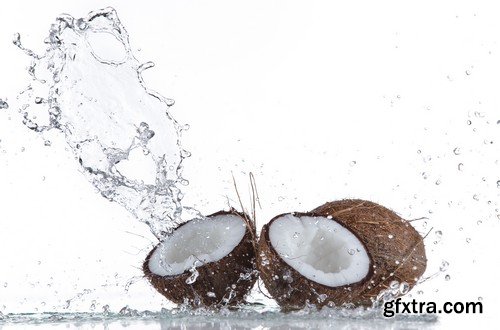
(88, 85)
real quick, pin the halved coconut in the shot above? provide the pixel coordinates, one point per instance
(343, 252)
(205, 262)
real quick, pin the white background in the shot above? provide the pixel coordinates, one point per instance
(321, 100)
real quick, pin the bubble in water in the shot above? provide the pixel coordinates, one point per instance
(447, 277)
(460, 166)
(456, 151)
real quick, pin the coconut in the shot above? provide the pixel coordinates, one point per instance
(205, 262)
(341, 253)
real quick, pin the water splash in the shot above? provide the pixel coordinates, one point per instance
(194, 273)
(88, 86)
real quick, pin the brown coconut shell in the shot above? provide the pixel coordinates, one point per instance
(229, 279)
(396, 251)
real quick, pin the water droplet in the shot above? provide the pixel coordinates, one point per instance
(468, 240)
(480, 298)
(390, 236)
(444, 266)
(460, 166)
(467, 72)
(438, 182)
(47, 143)
(5, 284)
(475, 197)
(479, 222)
(498, 184)
(438, 233)
(404, 288)
(447, 277)
(424, 175)
(185, 153)
(296, 235)
(460, 228)
(3, 104)
(351, 251)
(280, 198)
(352, 163)
(210, 294)
(322, 297)
(456, 151)
(469, 122)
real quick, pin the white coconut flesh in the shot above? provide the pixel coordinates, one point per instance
(196, 243)
(320, 249)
